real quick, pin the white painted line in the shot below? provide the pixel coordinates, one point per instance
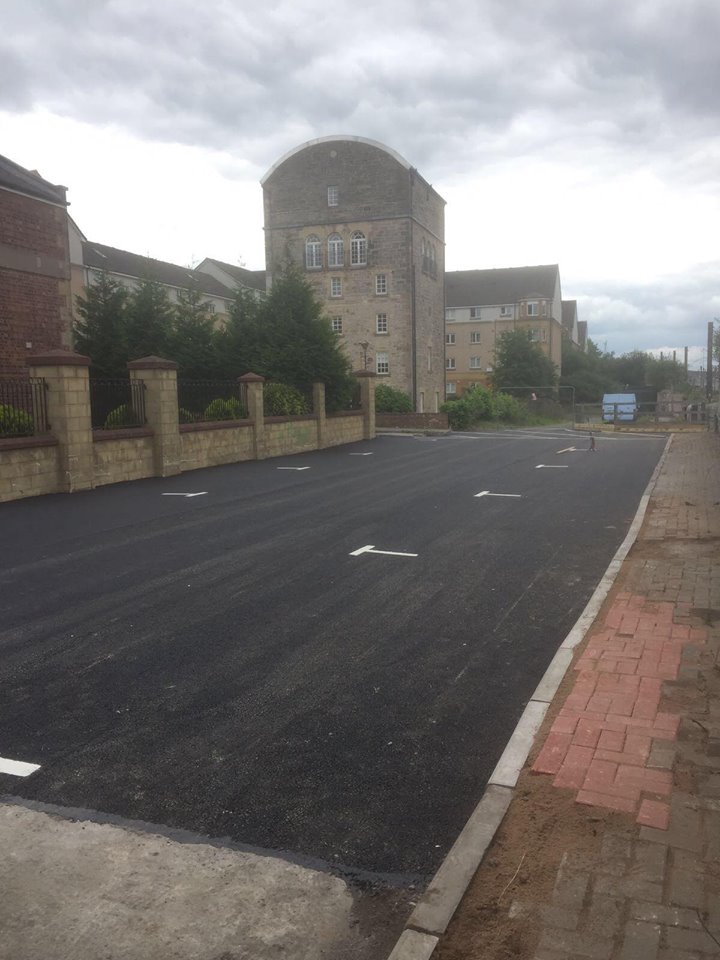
(567, 450)
(17, 768)
(370, 548)
(202, 493)
(486, 493)
(360, 454)
(292, 468)
(551, 466)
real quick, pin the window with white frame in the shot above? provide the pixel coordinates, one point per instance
(532, 308)
(337, 324)
(333, 196)
(358, 249)
(381, 323)
(449, 338)
(450, 363)
(538, 336)
(506, 311)
(335, 287)
(474, 363)
(450, 313)
(335, 250)
(380, 284)
(450, 388)
(474, 336)
(382, 363)
(475, 313)
(313, 253)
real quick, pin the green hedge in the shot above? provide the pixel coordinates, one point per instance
(14, 422)
(478, 405)
(390, 400)
(281, 400)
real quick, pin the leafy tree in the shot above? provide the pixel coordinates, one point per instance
(100, 332)
(288, 339)
(192, 340)
(390, 400)
(149, 325)
(591, 374)
(521, 363)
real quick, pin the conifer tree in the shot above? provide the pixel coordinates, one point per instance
(100, 330)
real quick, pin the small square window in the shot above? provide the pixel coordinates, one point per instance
(474, 363)
(475, 313)
(450, 388)
(506, 311)
(382, 363)
(337, 324)
(450, 363)
(532, 308)
(333, 196)
(381, 323)
(449, 338)
(475, 336)
(380, 284)
(335, 286)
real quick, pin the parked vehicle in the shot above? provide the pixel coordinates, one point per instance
(619, 406)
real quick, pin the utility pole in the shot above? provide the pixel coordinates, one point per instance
(709, 371)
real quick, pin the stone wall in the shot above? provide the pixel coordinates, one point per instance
(75, 457)
(121, 455)
(344, 428)
(28, 467)
(412, 421)
(212, 444)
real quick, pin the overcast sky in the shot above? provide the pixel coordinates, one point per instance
(578, 132)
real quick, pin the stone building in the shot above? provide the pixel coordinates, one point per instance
(34, 267)
(368, 231)
(484, 304)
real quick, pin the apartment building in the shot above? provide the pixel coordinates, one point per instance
(481, 305)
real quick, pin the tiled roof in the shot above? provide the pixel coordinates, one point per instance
(248, 278)
(15, 177)
(100, 257)
(477, 288)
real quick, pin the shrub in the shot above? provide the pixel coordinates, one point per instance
(280, 400)
(186, 416)
(390, 400)
(14, 422)
(122, 416)
(230, 409)
(479, 404)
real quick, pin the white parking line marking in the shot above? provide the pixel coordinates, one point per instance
(17, 768)
(202, 493)
(292, 468)
(486, 493)
(567, 450)
(370, 548)
(551, 466)
(360, 454)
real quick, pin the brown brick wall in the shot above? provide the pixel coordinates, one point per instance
(34, 280)
(412, 421)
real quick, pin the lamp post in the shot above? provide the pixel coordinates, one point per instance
(364, 344)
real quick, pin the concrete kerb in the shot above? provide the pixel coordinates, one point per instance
(438, 904)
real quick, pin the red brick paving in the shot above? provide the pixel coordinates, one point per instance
(600, 741)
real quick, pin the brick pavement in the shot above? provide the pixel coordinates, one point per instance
(639, 733)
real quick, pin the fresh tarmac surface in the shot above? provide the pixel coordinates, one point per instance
(224, 664)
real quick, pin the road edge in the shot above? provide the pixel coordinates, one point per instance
(437, 906)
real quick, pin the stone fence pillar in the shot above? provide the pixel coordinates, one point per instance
(161, 410)
(367, 401)
(253, 385)
(68, 406)
(318, 400)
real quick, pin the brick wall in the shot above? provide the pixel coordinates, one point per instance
(206, 445)
(344, 428)
(119, 460)
(34, 280)
(412, 421)
(28, 468)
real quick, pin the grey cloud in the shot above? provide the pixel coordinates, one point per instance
(420, 78)
(673, 311)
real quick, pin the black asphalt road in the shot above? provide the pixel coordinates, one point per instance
(222, 664)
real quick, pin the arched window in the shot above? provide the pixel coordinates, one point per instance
(313, 253)
(358, 249)
(335, 250)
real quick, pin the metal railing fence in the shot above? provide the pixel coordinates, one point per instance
(204, 400)
(117, 403)
(23, 407)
